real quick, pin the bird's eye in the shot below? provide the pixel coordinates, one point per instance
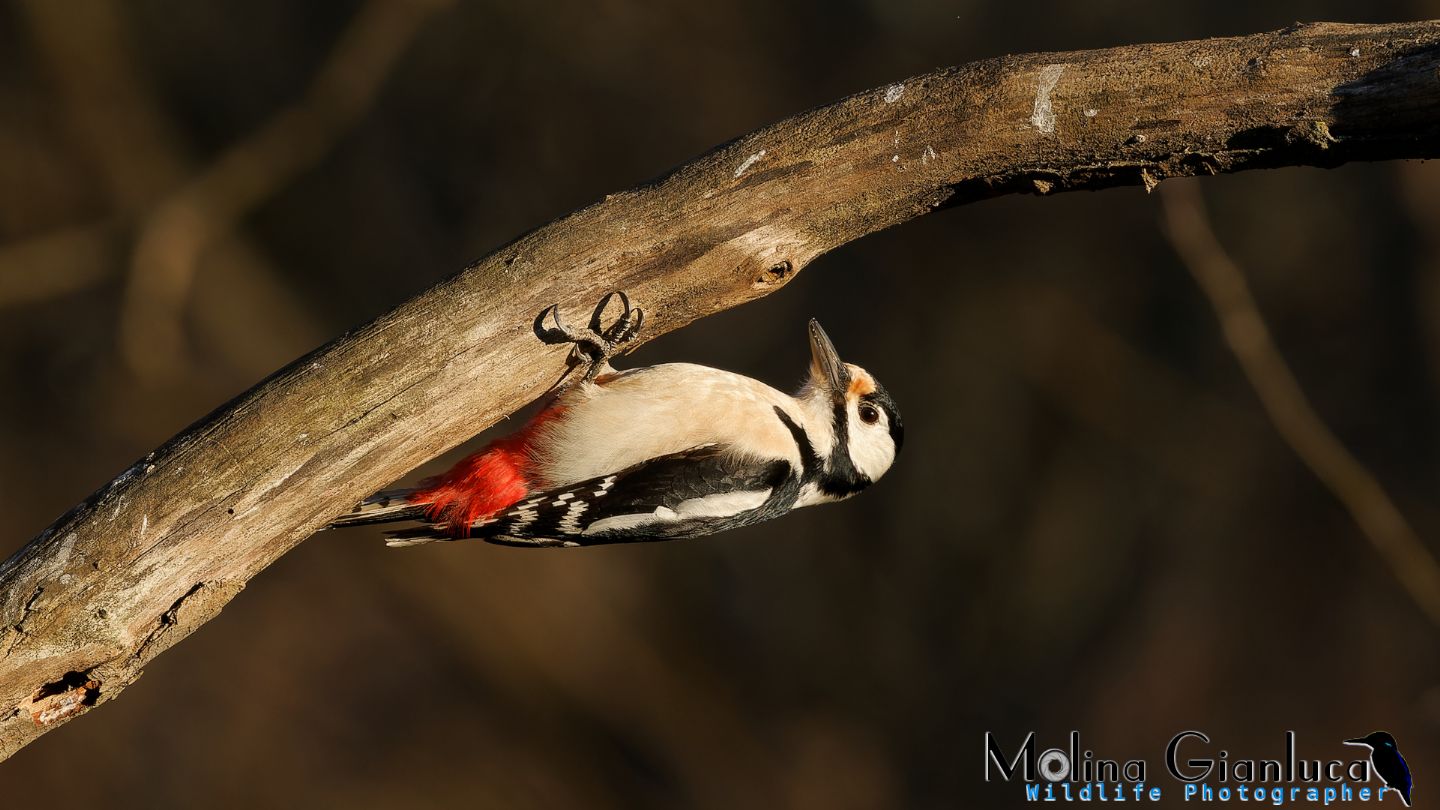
(869, 414)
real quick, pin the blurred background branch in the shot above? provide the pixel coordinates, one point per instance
(208, 207)
(55, 264)
(128, 140)
(1188, 228)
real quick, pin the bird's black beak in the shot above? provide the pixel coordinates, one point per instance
(826, 360)
(1358, 741)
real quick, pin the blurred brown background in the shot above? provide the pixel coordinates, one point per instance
(1092, 526)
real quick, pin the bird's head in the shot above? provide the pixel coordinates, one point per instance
(1375, 739)
(864, 428)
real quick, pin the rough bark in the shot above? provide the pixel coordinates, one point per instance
(161, 549)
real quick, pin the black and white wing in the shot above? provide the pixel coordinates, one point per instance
(687, 494)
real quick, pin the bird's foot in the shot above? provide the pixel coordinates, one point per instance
(596, 343)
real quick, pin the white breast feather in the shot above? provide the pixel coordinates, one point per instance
(656, 411)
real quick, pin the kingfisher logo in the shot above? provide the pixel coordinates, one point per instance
(1197, 770)
(1386, 760)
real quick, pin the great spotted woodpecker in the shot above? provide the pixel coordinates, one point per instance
(656, 453)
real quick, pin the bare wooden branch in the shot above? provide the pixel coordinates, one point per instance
(161, 549)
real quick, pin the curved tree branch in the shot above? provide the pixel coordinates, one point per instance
(158, 551)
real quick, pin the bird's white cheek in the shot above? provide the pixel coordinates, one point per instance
(871, 450)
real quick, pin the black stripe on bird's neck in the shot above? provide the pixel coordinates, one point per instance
(839, 478)
(810, 461)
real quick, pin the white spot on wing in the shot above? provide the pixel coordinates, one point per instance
(570, 523)
(605, 485)
(1043, 116)
(523, 515)
(723, 505)
(617, 523)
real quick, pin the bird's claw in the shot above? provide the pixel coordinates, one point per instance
(596, 343)
(625, 327)
(588, 341)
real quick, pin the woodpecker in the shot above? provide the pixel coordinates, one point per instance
(654, 453)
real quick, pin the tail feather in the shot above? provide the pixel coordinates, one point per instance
(389, 506)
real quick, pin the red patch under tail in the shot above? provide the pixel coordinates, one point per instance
(484, 483)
